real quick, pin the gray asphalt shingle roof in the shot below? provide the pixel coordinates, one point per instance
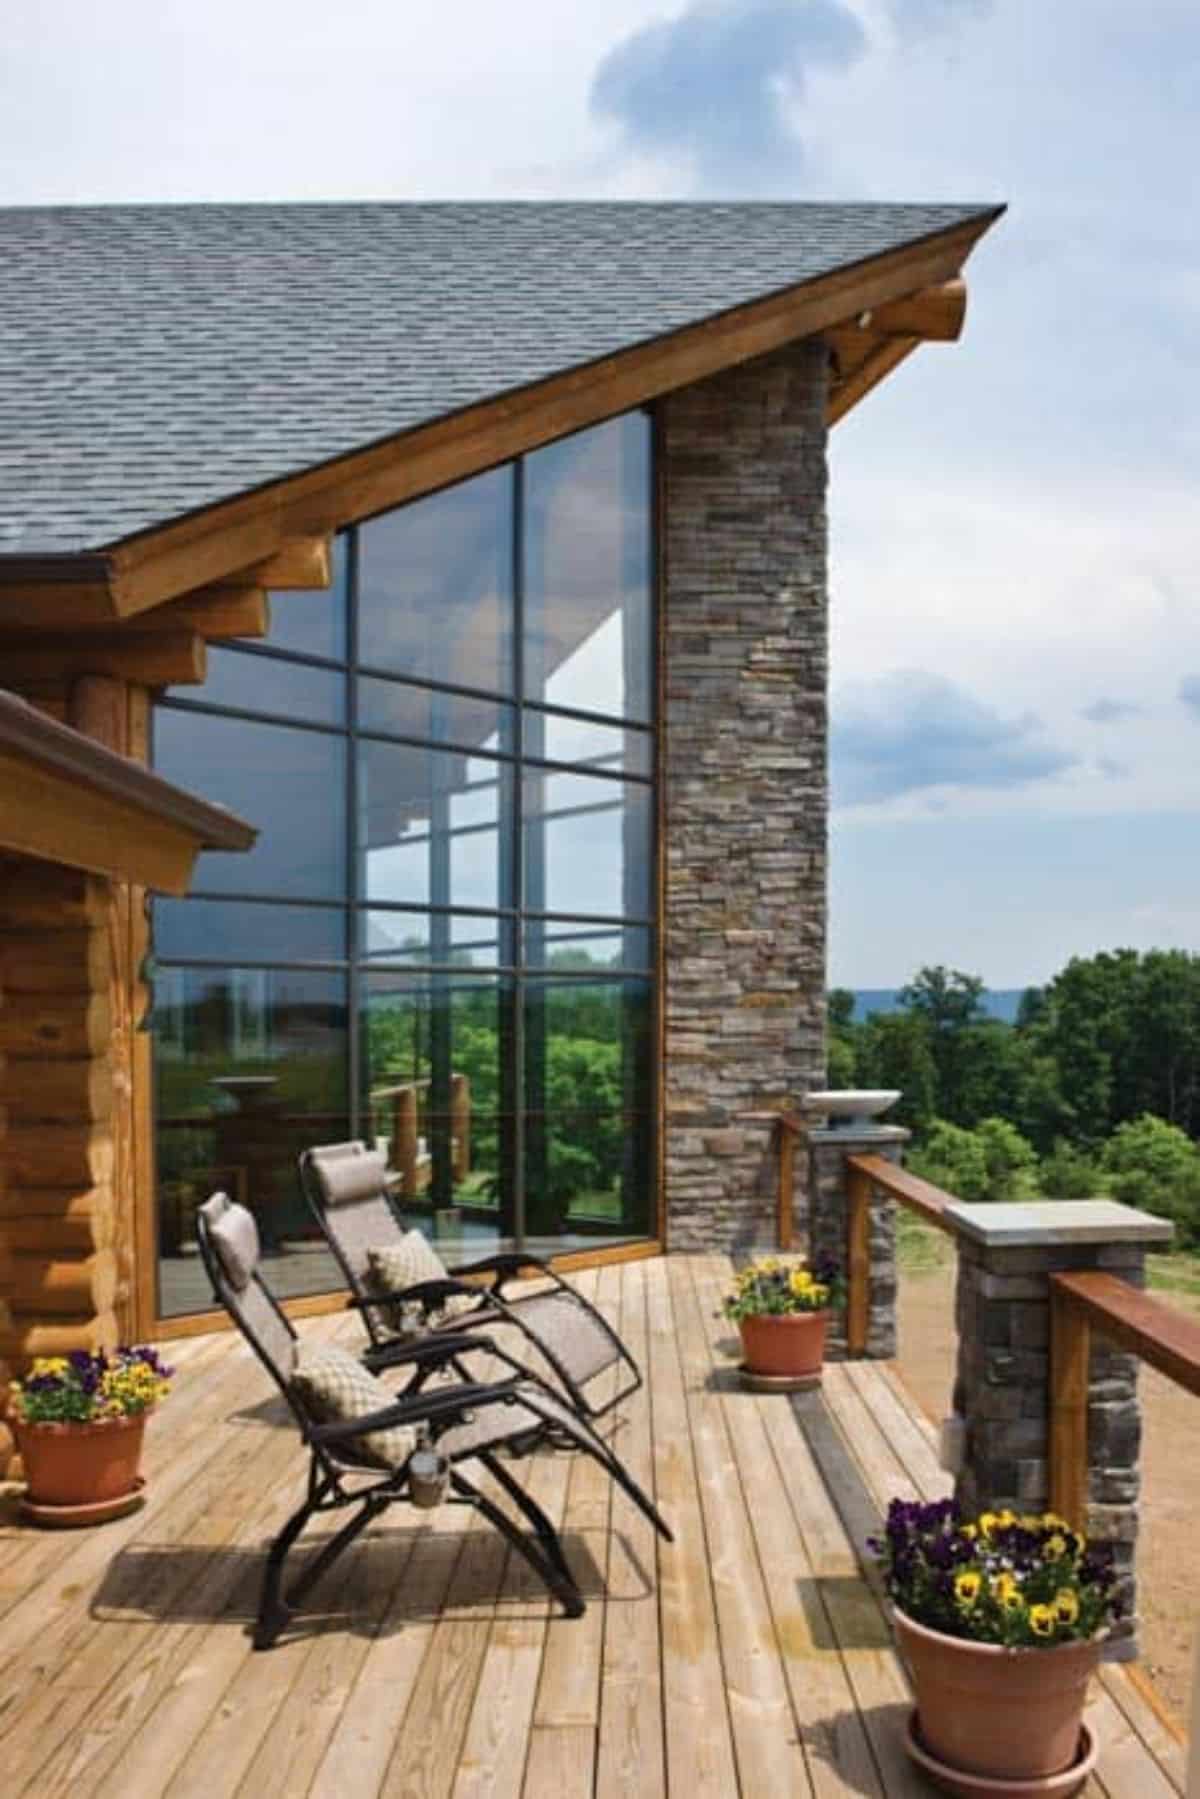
(157, 359)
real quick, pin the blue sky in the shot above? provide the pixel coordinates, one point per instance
(1015, 520)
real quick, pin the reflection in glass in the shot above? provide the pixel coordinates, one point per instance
(589, 1100)
(400, 710)
(609, 749)
(291, 783)
(248, 931)
(562, 945)
(588, 570)
(435, 586)
(588, 845)
(465, 939)
(250, 1068)
(430, 823)
(437, 1060)
(251, 683)
(312, 621)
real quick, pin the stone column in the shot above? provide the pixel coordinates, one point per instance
(742, 460)
(1007, 1254)
(828, 1149)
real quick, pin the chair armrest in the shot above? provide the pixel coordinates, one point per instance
(429, 1294)
(435, 1402)
(507, 1262)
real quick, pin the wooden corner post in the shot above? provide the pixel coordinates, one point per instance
(858, 1260)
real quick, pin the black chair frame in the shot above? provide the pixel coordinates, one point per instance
(493, 1309)
(436, 1411)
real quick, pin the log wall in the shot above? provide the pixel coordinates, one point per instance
(63, 1269)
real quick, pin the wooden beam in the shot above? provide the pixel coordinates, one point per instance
(155, 661)
(305, 564)
(922, 1197)
(56, 605)
(50, 814)
(936, 314)
(785, 1198)
(887, 356)
(1070, 1355)
(214, 613)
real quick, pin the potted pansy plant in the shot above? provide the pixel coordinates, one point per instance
(781, 1307)
(1001, 1620)
(79, 1421)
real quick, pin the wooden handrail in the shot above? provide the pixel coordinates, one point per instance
(918, 1195)
(1131, 1320)
(787, 1126)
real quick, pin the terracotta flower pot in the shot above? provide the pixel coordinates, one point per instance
(81, 1464)
(792, 1346)
(1013, 1714)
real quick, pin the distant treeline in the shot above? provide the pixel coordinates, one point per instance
(1095, 1085)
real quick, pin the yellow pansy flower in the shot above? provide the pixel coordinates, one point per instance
(800, 1280)
(988, 1522)
(1066, 1605)
(967, 1585)
(1042, 1620)
(1056, 1545)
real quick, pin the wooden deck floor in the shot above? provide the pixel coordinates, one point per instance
(750, 1658)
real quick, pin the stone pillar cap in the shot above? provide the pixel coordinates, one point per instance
(1056, 1223)
(864, 1134)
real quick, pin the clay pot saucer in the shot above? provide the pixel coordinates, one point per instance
(754, 1382)
(987, 1786)
(74, 1517)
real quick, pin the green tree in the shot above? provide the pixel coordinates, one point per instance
(1011, 1160)
(1155, 1165)
(950, 1002)
(952, 1158)
(894, 1051)
(842, 1035)
(1067, 1172)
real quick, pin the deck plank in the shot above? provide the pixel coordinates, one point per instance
(629, 1753)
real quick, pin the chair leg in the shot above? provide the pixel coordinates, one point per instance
(560, 1583)
(324, 1557)
(592, 1445)
(274, 1614)
(527, 1504)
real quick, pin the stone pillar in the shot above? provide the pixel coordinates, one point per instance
(828, 1150)
(742, 460)
(1002, 1393)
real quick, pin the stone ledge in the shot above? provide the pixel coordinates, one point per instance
(1057, 1223)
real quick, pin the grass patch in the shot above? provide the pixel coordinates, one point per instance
(1178, 1273)
(920, 1248)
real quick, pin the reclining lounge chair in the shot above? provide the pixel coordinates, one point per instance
(372, 1447)
(347, 1188)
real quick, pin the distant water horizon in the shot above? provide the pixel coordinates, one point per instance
(998, 1002)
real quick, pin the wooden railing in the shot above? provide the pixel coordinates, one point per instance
(1129, 1319)
(863, 1173)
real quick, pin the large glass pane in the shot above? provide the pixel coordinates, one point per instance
(563, 944)
(588, 845)
(588, 570)
(312, 622)
(251, 683)
(435, 586)
(248, 931)
(466, 940)
(401, 710)
(251, 1068)
(437, 1060)
(290, 784)
(610, 749)
(431, 827)
(589, 1094)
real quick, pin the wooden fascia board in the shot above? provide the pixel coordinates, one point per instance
(219, 543)
(47, 813)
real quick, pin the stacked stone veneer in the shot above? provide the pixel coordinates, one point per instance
(827, 1231)
(744, 729)
(1002, 1390)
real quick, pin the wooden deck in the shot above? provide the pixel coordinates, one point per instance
(750, 1658)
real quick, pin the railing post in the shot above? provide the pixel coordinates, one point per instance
(1070, 1362)
(858, 1261)
(1050, 1412)
(787, 1131)
(852, 1227)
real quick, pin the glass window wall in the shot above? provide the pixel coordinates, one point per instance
(444, 941)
